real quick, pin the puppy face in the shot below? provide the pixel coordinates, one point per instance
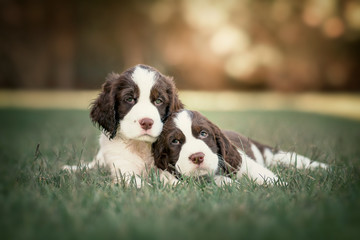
(134, 104)
(193, 146)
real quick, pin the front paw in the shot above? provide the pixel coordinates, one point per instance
(130, 181)
(222, 181)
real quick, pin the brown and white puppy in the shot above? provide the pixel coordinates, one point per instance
(131, 111)
(191, 145)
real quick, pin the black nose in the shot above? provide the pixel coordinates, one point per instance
(197, 158)
(146, 123)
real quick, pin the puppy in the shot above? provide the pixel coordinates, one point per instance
(191, 145)
(131, 111)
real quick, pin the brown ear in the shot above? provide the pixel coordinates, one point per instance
(160, 154)
(103, 111)
(175, 104)
(227, 150)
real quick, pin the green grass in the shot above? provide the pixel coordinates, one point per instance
(39, 201)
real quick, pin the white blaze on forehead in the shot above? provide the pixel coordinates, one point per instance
(193, 145)
(130, 126)
(144, 79)
(183, 122)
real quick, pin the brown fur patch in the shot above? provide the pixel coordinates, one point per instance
(111, 106)
(166, 154)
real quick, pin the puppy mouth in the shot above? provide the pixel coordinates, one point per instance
(199, 172)
(146, 137)
(149, 133)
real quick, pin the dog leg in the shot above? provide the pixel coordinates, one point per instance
(167, 178)
(255, 170)
(222, 180)
(291, 159)
(73, 168)
(128, 180)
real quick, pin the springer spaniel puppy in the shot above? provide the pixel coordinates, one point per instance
(131, 111)
(191, 145)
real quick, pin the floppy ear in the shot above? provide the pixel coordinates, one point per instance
(103, 111)
(160, 154)
(227, 150)
(175, 103)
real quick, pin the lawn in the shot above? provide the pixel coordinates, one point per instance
(39, 201)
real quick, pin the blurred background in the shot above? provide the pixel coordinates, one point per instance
(282, 45)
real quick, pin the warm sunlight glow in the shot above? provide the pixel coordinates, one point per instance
(333, 27)
(268, 56)
(161, 11)
(281, 10)
(229, 40)
(204, 15)
(316, 11)
(242, 65)
(352, 14)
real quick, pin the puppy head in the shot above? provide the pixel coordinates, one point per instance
(135, 103)
(193, 146)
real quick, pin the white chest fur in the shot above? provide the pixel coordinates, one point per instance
(128, 157)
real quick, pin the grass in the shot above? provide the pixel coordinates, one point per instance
(39, 201)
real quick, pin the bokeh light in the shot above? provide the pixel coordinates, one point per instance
(310, 45)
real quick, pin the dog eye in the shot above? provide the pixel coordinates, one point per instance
(175, 142)
(130, 100)
(158, 102)
(203, 134)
